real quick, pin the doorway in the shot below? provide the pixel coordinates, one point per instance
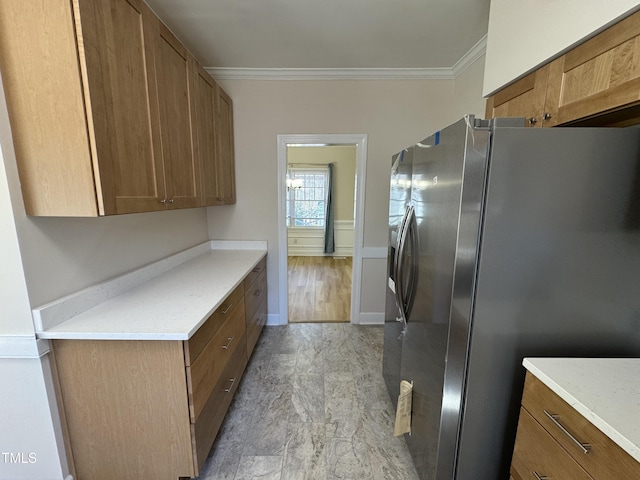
(359, 142)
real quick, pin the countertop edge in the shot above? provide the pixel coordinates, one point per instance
(619, 439)
(57, 330)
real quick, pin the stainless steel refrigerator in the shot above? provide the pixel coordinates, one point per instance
(512, 242)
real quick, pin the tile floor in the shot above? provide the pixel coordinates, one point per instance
(312, 405)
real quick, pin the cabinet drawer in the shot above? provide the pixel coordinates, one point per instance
(255, 273)
(254, 326)
(254, 296)
(205, 429)
(537, 453)
(205, 372)
(195, 345)
(604, 459)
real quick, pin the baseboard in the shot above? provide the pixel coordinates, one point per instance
(371, 318)
(274, 319)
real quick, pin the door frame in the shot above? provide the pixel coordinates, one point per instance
(360, 141)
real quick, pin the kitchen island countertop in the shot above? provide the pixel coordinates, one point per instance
(606, 391)
(170, 305)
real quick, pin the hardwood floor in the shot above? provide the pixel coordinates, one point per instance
(319, 289)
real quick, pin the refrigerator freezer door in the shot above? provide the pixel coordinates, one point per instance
(399, 197)
(440, 170)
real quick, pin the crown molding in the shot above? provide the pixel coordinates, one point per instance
(330, 73)
(444, 73)
(469, 58)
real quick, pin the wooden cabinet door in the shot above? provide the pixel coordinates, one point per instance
(116, 38)
(206, 98)
(43, 87)
(600, 75)
(524, 98)
(225, 152)
(174, 70)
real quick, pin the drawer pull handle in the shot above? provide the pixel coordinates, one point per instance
(257, 293)
(582, 446)
(539, 477)
(229, 340)
(226, 310)
(256, 270)
(232, 380)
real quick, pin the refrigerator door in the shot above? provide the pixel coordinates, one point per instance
(446, 168)
(399, 197)
(558, 273)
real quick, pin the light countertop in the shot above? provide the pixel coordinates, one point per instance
(606, 391)
(169, 306)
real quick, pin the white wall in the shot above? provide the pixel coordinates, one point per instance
(467, 91)
(393, 114)
(524, 34)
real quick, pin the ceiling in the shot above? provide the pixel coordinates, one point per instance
(326, 34)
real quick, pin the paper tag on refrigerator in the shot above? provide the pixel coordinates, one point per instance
(392, 285)
(403, 412)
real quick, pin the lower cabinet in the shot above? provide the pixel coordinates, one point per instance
(152, 408)
(554, 441)
(255, 298)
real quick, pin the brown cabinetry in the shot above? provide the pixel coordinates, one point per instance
(255, 288)
(101, 103)
(214, 120)
(153, 408)
(555, 441)
(596, 83)
(225, 153)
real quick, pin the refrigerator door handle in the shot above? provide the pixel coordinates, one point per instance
(397, 271)
(412, 229)
(401, 298)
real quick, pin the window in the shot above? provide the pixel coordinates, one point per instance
(306, 197)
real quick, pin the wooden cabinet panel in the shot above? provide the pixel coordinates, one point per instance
(207, 426)
(254, 326)
(255, 273)
(536, 453)
(175, 94)
(205, 371)
(599, 75)
(255, 298)
(225, 156)
(125, 406)
(43, 88)
(604, 459)
(206, 94)
(256, 293)
(195, 345)
(117, 37)
(525, 98)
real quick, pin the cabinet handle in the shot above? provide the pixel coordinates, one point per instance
(173, 200)
(539, 477)
(585, 447)
(257, 293)
(232, 380)
(226, 310)
(533, 121)
(163, 201)
(230, 339)
(256, 270)
(546, 116)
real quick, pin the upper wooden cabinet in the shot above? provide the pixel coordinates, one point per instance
(101, 100)
(225, 152)
(177, 115)
(214, 118)
(525, 98)
(596, 83)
